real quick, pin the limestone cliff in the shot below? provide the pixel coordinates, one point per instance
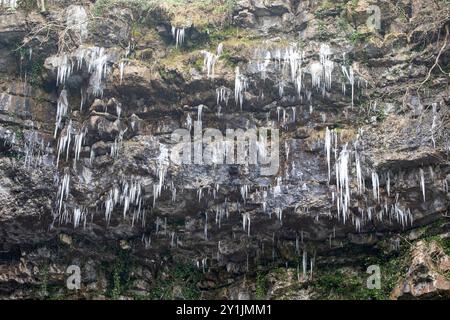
(92, 91)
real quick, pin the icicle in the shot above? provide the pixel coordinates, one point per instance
(189, 122)
(279, 214)
(422, 183)
(327, 65)
(65, 69)
(121, 70)
(163, 163)
(433, 124)
(209, 63)
(359, 177)
(12, 4)
(115, 147)
(342, 181)
(388, 184)
(98, 67)
(199, 113)
(328, 150)
(223, 95)
(78, 214)
(304, 263)
(244, 191)
(205, 230)
(178, 35)
(375, 186)
(79, 140)
(219, 49)
(246, 222)
(63, 191)
(240, 86)
(61, 110)
(64, 142)
(351, 78)
(77, 19)
(172, 239)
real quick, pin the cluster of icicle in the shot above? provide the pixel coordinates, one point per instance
(35, 149)
(77, 21)
(178, 34)
(70, 139)
(240, 86)
(163, 164)
(288, 67)
(377, 207)
(128, 194)
(161, 229)
(96, 60)
(12, 4)
(210, 60)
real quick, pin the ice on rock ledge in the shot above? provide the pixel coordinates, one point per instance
(96, 61)
(12, 4)
(178, 34)
(77, 20)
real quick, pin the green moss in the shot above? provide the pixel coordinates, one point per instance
(229, 59)
(261, 286)
(182, 275)
(356, 37)
(118, 274)
(341, 285)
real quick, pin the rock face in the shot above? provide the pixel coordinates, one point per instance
(88, 113)
(427, 277)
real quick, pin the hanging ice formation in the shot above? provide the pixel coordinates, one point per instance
(61, 110)
(240, 86)
(223, 94)
(277, 188)
(210, 59)
(199, 113)
(279, 214)
(327, 66)
(115, 147)
(129, 193)
(328, 144)
(422, 183)
(189, 122)
(304, 263)
(121, 70)
(375, 186)
(359, 175)
(178, 34)
(96, 59)
(205, 229)
(64, 142)
(163, 163)
(263, 59)
(77, 20)
(343, 184)
(12, 4)
(349, 74)
(244, 191)
(79, 214)
(63, 191)
(36, 151)
(79, 140)
(98, 68)
(246, 222)
(388, 184)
